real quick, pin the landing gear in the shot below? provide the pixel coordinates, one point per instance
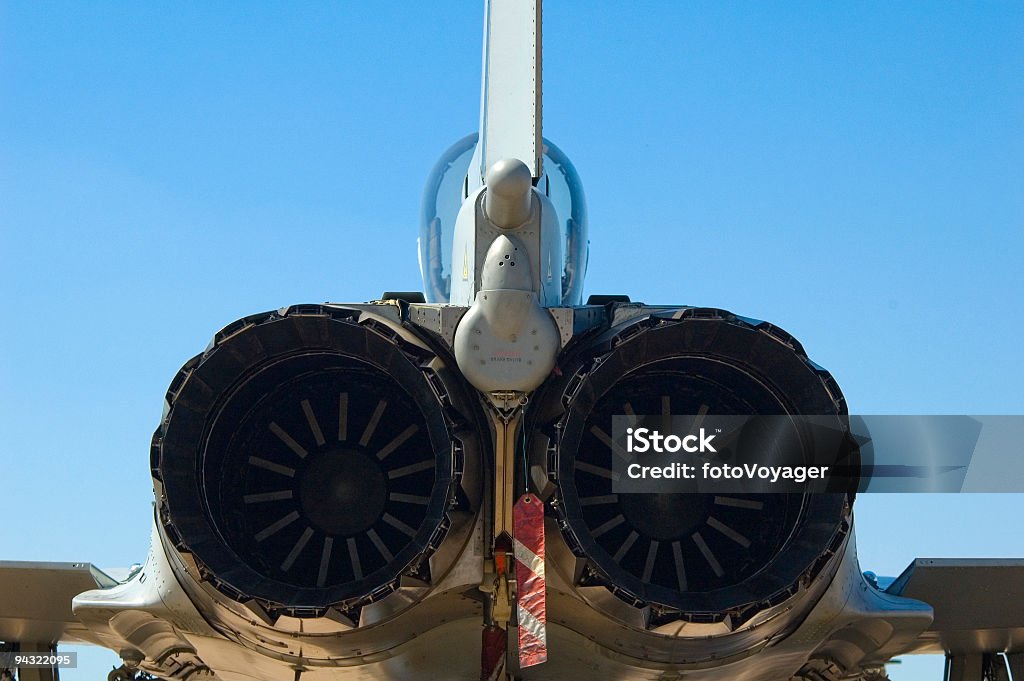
(129, 671)
(984, 666)
(126, 673)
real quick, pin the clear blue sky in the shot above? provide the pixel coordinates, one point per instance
(853, 172)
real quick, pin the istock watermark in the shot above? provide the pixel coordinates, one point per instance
(641, 440)
(798, 454)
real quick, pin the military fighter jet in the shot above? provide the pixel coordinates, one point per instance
(422, 486)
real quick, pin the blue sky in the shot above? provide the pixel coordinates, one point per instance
(853, 172)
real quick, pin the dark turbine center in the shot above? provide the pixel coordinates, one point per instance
(664, 517)
(343, 492)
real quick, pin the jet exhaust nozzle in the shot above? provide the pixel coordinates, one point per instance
(695, 557)
(311, 458)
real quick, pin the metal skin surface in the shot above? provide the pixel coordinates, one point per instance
(847, 601)
(506, 341)
(474, 234)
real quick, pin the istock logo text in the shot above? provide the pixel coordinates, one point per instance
(640, 440)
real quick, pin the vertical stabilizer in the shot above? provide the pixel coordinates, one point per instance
(510, 102)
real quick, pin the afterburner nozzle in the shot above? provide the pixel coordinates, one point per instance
(509, 196)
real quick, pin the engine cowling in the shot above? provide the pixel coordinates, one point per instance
(313, 459)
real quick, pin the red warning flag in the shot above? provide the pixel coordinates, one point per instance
(528, 546)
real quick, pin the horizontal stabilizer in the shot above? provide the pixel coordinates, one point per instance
(35, 599)
(978, 603)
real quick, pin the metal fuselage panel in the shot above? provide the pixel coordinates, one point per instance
(446, 644)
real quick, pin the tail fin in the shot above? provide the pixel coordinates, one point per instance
(510, 93)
